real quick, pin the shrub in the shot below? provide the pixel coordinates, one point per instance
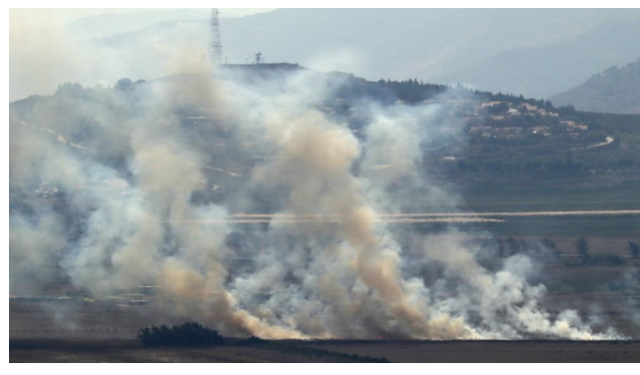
(549, 244)
(188, 334)
(582, 247)
(634, 249)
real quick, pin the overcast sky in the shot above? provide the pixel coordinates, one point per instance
(58, 17)
(41, 54)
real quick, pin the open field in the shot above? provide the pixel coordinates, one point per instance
(132, 351)
(493, 351)
(614, 227)
(104, 330)
(625, 227)
(609, 293)
(329, 351)
(569, 196)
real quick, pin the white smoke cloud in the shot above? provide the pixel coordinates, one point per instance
(349, 275)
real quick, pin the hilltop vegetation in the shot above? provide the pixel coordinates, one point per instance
(486, 139)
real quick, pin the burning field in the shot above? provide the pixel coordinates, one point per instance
(152, 184)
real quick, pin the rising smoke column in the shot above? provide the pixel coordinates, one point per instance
(340, 278)
(314, 165)
(347, 280)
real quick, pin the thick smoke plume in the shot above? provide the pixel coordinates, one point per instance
(314, 202)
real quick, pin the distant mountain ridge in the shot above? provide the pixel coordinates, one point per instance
(615, 90)
(533, 52)
(524, 49)
(542, 71)
(106, 25)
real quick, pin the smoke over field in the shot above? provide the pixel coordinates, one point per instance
(155, 183)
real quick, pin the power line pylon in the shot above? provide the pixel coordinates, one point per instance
(215, 42)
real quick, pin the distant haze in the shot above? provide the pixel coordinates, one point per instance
(537, 53)
(616, 90)
(44, 48)
(279, 202)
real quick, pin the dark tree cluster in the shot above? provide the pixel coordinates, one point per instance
(586, 259)
(412, 91)
(582, 247)
(611, 260)
(187, 335)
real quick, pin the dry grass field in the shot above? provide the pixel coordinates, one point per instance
(76, 330)
(493, 351)
(30, 350)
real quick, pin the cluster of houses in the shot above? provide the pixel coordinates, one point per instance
(491, 120)
(504, 120)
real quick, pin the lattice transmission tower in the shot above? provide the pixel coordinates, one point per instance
(215, 42)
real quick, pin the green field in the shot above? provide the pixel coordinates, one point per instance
(588, 226)
(625, 227)
(511, 199)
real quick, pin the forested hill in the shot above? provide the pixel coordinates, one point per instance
(616, 90)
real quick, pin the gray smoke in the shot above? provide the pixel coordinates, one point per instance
(328, 266)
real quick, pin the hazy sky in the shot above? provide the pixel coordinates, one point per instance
(42, 54)
(58, 17)
(538, 53)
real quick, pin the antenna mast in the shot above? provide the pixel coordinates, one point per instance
(215, 47)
